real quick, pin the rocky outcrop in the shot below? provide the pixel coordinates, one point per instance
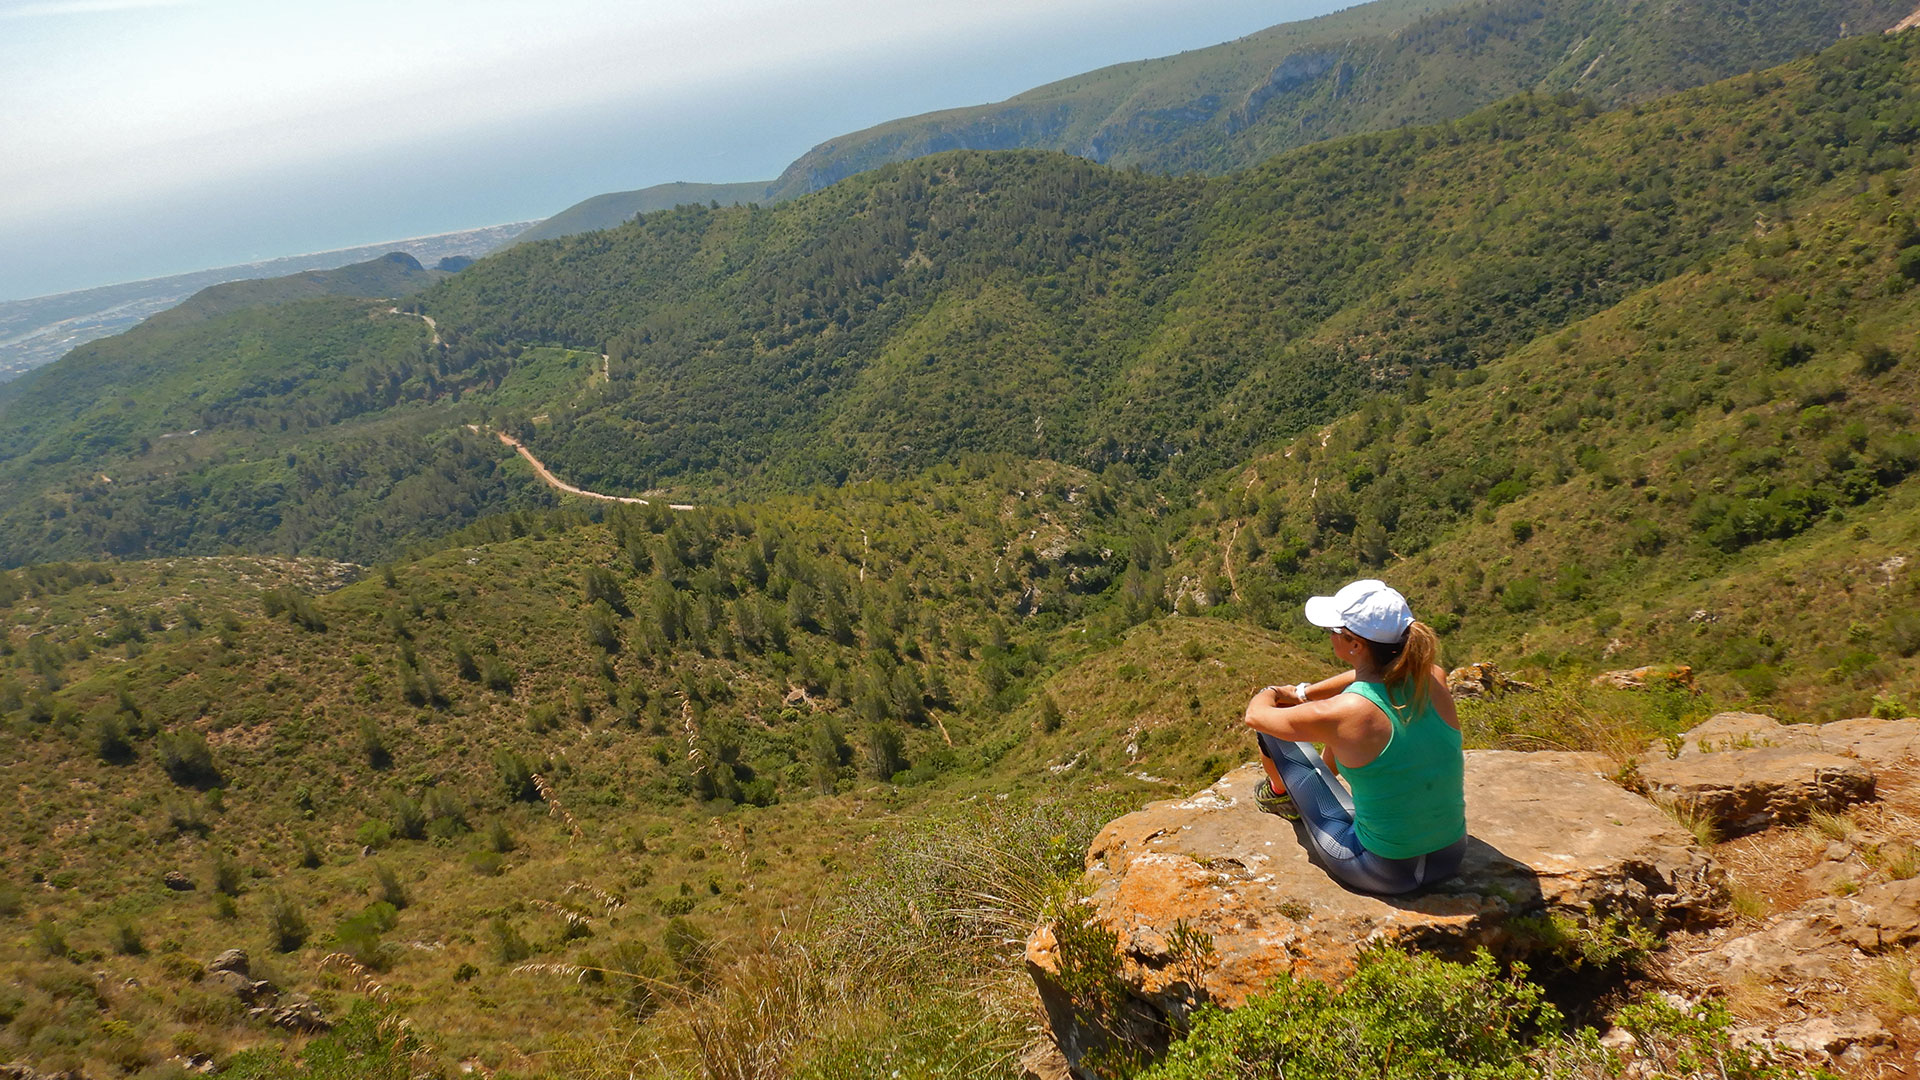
(234, 960)
(1745, 772)
(1651, 677)
(1485, 679)
(1881, 744)
(231, 973)
(1205, 899)
(1210, 899)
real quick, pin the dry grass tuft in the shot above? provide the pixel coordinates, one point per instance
(1894, 985)
(1833, 826)
(1692, 817)
(364, 980)
(555, 808)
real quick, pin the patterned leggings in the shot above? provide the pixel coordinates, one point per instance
(1328, 816)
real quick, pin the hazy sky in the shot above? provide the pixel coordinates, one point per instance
(147, 137)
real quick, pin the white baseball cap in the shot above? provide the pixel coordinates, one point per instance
(1372, 609)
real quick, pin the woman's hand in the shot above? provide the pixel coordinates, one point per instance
(1284, 697)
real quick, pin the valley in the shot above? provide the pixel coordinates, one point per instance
(718, 645)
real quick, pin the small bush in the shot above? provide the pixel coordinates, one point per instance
(111, 741)
(1877, 359)
(1049, 714)
(387, 886)
(408, 819)
(187, 758)
(1888, 706)
(1399, 1016)
(373, 834)
(516, 775)
(225, 873)
(1522, 595)
(509, 946)
(286, 924)
(126, 939)
(486, 863)
(49, 941)
(499, 838)
(359, 936)
(373, 744)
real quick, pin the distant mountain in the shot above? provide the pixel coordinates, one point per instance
(1377, 66)
(613, 208)
(40, 330)
(394, 275)
(1027, 303)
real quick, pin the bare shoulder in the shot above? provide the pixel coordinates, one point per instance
(1443, 698)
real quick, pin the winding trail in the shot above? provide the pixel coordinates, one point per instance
(428, 319)
(540, 469)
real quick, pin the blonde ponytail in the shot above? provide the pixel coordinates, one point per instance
(1413, 663)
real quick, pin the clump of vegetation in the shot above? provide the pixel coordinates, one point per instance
(287, 927)
(187, 758)
(1398, 1016)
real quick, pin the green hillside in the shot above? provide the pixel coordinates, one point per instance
(1028, 304)
(1039, 305)
(389, 276)
(618, 207)
(1372, 67)
(1012, 471)
(730, 706)
(1716, 471)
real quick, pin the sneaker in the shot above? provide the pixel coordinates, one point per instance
(1280, 804)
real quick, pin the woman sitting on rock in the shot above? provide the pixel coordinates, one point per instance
(1389, 727)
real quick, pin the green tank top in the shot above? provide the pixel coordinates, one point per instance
(1410, 800)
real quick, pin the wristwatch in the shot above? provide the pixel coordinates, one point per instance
(1300, 690)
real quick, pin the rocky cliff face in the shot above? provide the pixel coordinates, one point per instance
(1208, 900)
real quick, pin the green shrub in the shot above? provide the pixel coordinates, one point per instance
(387, 886)
(126, 939)
(516, 775)
(48, 940)
(111, 741)
(486, 863)
(1522, 595)
(509, 947)
(225, 873)
(886, 750)
(373, 744)
(373, 834)
(408, 819)
(1049, 714)
(499, 839)
(358, 935)
(187, 758)
(1399, 1016)
(286, 924)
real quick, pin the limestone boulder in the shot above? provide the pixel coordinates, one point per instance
(1651, 677)
(1485, 679)
(1817, 942)
(234, 960)
(1739, 731)
(1879, 744)
(1210, 899)
(296, 1012)
(1746, 772)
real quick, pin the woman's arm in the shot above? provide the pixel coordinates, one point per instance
(1318, 690)
(1316, 721)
